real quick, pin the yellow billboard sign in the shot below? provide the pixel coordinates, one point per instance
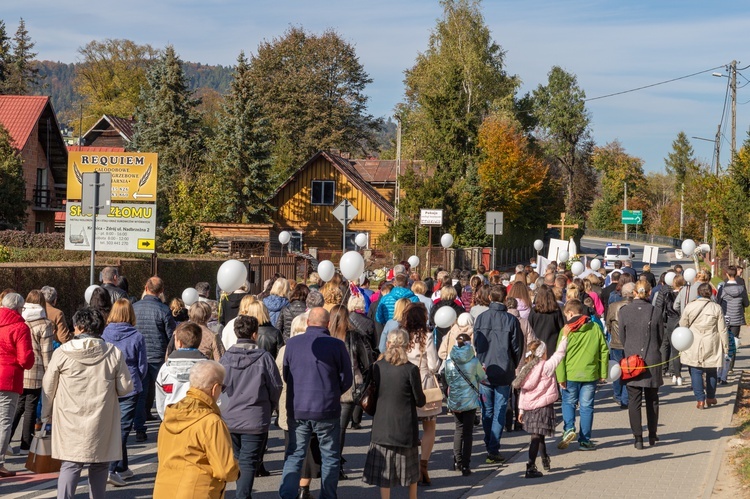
(133, 173)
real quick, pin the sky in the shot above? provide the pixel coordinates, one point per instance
(610, 46)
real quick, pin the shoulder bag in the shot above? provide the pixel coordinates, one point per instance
(634, 365)
(369, 398)
(433, 395)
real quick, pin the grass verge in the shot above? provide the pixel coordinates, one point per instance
(741, 458)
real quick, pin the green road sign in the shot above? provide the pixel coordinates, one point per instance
(632, 217)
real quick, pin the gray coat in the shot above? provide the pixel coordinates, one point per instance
(733, 300)
(641, 331)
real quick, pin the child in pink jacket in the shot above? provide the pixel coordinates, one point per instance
(539, 391)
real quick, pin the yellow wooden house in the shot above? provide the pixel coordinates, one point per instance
(304, 204)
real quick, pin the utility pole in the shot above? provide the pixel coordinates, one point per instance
(682, 207)
(733, 86)
(625, 207)
(398, 165)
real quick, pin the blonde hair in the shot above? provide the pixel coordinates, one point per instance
(642, 289)
(338, 322)
(122, 311)
(572, 293)
(332, 294)
(400, 308)
(395, 347)
(175, 306)
(448, 293)
(280, 287)
(199, 312)
(253, 307)
(418, 287)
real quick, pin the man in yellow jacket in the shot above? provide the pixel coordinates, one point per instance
(194, 446)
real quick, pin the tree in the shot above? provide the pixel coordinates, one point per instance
(243, 152)
(681, 162)
(564, 131)
(6, 58)
(23, 74)
(452, 87)
(110, 77)
(13, 201)
(311, 89)
(616, 168)
(728, 207)
(510, 173)
(167, 122)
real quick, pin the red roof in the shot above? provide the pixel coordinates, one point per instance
(380, 171)
(95, 149)
(19, 114)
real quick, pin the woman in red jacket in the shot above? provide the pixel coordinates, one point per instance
(16, 355)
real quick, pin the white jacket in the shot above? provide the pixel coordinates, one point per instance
(173, 380)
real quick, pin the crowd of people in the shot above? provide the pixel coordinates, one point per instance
(305, 356)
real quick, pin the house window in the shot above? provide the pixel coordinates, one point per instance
(39, 227)
(323, 192)
(351, 245)
(295, 243)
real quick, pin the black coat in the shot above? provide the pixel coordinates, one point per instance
(442, 331)
(499, 344)
(270, 339)
(547, 327)
(641, 331)
(287, 315)
(399, 393)
(365, 327)
(230, 307)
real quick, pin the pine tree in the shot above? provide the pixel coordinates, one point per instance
(23, 72)
(12, 202)
(243, 151)
(681, 161)
(167, 122)
(6, 58)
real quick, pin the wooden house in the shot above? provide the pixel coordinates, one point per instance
(109, 131)
(35, 133)
(304, 204)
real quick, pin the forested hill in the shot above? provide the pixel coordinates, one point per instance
(57, 80)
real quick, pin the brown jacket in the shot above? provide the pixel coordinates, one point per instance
(195, 450)
(61, 327)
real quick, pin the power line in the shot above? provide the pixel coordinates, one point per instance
(654, 84)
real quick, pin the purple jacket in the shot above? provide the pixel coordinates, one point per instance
(253, 388)
(317, 370)
(133, 347)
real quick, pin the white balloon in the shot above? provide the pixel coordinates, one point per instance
(284, 237)
(232, 274)
(596, 264)
(688, 247)
(682, 338)
(669, 278)
(352, 265)
(446, 241)
(705, 248)
(326, 270)
(89, 292)
(189, 296)
(445, 317)
(414, 261)
(563, 256)
(689, 274)
(577, 268)
(538, 245)
(615, 371)
(361, 240)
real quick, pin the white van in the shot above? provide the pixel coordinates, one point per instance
(616, 251)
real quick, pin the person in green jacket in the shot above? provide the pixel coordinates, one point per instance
(584, 366)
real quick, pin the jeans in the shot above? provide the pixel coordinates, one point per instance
(493, 415)
(696, 379)
(621, 393)
(26, 407)
(146, 397)
(247, 450)
(583, 393)
(70, 474)
(462, 437)
(328, 433)
(652, 410)
(8, 401)
(127, 415)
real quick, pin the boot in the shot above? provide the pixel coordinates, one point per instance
(532, 472)
(546, 463)
(639, 443)
(304, 493)
(424, 477)
(455, 464)
(262, 471)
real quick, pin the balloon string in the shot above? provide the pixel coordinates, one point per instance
(662, 363)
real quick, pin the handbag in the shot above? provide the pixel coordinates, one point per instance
(354, 394)
(632, 366)
(40, 458)
(433, 396)
(369, 398)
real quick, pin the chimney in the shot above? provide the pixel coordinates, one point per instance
(346, 155)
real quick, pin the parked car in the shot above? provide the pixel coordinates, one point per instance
(616, 251)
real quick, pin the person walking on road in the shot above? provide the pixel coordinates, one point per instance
(641, 330)
(585, 365)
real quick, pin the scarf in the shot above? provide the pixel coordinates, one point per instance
(525, 371)
(576, 322)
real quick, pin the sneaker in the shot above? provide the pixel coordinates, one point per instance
(586, 445)
(128, 473)
(679, 381)
(674, 380)
(116, 480)
(494, 459)
(140, 436)
(567, 437)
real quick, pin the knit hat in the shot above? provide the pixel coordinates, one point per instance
(465, 320)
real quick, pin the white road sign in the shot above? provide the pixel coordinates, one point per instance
(431, 217)
(345, 212)
(124, 227)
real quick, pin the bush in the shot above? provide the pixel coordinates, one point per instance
(23, 239)
(4, 254)
(185, 238)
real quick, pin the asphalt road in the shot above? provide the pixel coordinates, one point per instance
(667, 259)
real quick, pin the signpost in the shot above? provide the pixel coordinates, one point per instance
(345, 212)
(494, 227)
(430, 218)
(111, 202)
(650, 254)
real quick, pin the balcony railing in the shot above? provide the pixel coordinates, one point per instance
(43, 200)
